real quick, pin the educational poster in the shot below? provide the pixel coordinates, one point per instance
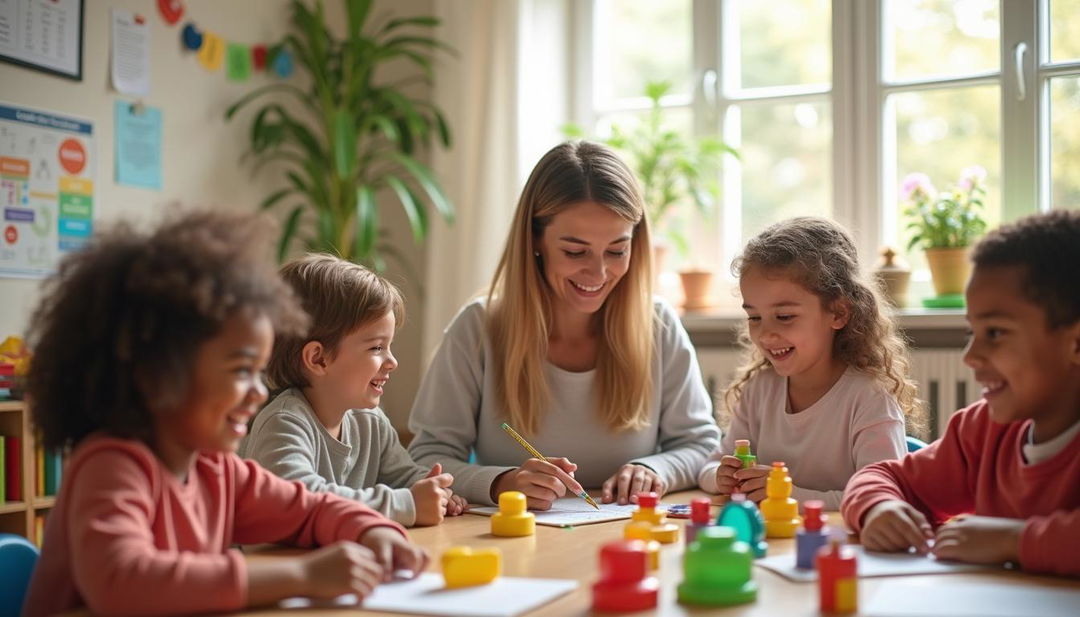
(47, 170)
(43, 34)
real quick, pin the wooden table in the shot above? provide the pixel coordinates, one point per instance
(573, 553)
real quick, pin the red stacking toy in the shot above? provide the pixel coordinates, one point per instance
(624, 585)
(837, 577)
(699, 517)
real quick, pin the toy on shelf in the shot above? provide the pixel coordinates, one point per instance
(780, 511)
(465, 567)
(742, 452)
(699, 517)
(837, 577)
(512, 520)
(744, 517)
(717, 569)
(624, 583)
(812, 536)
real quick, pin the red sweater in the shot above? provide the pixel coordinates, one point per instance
(127, 537)
(977, 467)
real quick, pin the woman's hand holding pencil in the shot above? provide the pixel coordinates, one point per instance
(542, 481)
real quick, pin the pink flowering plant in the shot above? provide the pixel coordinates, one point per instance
(946, 219)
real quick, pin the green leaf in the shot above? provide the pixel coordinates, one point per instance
(394, 24)
(344, 143)
(366, 222)
(274, 198)
(413, 208)
(427, 181)
(357, 11)
(288, 232)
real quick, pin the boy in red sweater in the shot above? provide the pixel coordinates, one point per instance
(1010, 463)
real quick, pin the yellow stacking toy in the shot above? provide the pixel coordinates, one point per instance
(642, 530)
(465, 567)
(780, 511)
(656, 522)
(512, 520)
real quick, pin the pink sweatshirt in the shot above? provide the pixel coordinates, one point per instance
(855, 423)
(977, 467)
(127, 537)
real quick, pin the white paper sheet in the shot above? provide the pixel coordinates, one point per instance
(869, 564)
(570, 511)
(932, 599)
(130, 53)
(426, 595)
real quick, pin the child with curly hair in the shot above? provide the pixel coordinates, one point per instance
(825, 386)
(149, 357)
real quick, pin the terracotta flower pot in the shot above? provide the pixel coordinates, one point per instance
(949, 268)
(697, 289)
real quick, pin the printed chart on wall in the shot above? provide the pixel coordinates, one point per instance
(47, 172)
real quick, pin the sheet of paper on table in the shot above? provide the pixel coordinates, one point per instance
(929, 598)
(570, 511)
(870, 564)
(427, 595)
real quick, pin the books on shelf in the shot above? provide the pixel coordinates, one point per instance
(13, 468)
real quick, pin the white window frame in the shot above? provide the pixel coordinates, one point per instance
(864, 186)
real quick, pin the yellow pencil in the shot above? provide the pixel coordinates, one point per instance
(536, 454)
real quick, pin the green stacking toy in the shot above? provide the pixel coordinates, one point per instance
(717, 567)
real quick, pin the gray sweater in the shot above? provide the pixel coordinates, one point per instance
(367, 463)
(456, 414)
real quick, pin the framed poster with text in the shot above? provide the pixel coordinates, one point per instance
(43, 34)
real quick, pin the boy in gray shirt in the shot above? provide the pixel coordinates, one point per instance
(325, 428)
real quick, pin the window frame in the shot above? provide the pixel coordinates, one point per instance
(864, 182)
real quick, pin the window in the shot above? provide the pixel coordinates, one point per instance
(832, 102)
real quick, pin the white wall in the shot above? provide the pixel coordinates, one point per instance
(201, 152)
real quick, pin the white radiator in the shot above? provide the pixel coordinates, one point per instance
(944, 381)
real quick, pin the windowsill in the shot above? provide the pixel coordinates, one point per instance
(926, 328)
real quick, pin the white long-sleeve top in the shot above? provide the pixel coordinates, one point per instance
(857, 422)
(457, 412)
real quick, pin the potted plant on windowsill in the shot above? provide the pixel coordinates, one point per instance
(352, 135)
(675, 171)
(946, 224)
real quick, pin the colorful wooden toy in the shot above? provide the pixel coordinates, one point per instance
(646, 510)
(656, 522)
(717, 567)
(624, 584)
(512, 520)
(699, 517)
(742, 452)
(642, 530)
(465, 567)
(744, 517)
(812, 536)
(780, 511)
(837, 577)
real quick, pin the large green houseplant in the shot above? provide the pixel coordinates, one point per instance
(352, 134)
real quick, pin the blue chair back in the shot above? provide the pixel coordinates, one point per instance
(17, 559)
(914, 444)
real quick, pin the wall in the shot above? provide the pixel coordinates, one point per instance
(201, 152)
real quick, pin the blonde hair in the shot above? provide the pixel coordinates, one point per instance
(519, 302)
(820, 255)
(339, 296)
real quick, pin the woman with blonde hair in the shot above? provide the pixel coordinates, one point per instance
(570, 348)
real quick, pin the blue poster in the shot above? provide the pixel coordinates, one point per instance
(138, 145)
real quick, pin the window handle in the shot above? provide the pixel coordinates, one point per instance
(708, 86)
(1018, 55)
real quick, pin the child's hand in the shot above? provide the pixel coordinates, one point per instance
(430, 495)
(752, 481)
(457, 505)
(630, 480)
(340, 568)
(979, 539)
(394, 552)
(726, 484)
(895, 525)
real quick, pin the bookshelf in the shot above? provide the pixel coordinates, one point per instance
(18, 517)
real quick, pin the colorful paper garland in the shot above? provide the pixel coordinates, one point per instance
(213, 51)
